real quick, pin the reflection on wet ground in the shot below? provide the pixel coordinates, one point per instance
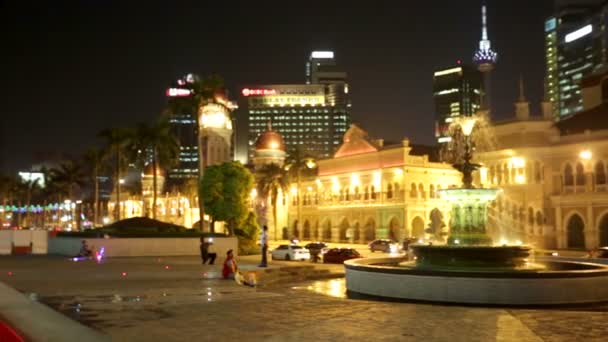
(333, 288)
(122, 311)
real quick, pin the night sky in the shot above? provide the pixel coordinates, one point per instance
(71, 69)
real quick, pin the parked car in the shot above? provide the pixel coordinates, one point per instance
(383, 245)
(339, 255)
(601, 252)
(290, 252)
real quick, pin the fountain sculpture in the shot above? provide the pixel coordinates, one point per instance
(469, 268)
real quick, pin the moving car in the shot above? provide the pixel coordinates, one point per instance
(339, 255)
(384, 245)
(601, 252)
(290, 252)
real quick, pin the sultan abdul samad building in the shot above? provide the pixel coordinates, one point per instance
(553, 176)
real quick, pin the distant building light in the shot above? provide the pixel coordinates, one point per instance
(550, 24)
(444, 139)
(252, 92)
(322, 54)
(178, 92)
(586, 155)
(448, 71)
(572, 36)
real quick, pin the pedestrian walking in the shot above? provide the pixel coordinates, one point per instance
(264, 246)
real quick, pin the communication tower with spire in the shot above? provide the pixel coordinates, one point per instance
(485, 57)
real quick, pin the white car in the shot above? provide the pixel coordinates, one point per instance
(290, 252)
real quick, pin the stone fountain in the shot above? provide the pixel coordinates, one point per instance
(469, 268)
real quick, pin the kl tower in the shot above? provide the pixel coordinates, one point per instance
(485, 59)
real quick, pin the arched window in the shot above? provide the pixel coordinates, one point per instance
(538, 172)
(373, 192)
(396, 189)
(357, 195)
(505, 171)
(580, 174)
(413, 190)
(600, 172)
(539, 219)
(568, 176)
(530, 216)
(576, 232)
(421, 190)
(432, 191)
(366, 193)
(389, 191)
(346, 194)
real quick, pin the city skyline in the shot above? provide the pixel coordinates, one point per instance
(64, 85)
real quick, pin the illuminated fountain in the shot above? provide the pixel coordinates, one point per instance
(470, 269)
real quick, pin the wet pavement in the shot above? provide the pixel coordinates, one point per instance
(177, 299)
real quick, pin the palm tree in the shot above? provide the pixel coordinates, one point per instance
(69, 176)
(29, 188)
(161, 143)
(93, 159)
(272, 179)
(116, 139)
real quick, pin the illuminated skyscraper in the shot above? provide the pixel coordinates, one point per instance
(575, 46)
(456, 92)
(485, 59)
(313, 116)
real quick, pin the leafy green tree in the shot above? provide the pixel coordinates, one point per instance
(161, 143)
(225, 191)
(272, 179)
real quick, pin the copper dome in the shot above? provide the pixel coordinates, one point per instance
(270, 140)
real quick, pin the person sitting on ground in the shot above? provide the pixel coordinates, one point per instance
(230, 267)
(205, 255)
(85, 251)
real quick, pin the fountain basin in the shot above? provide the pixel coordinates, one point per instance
(499, 257)
(556, 284)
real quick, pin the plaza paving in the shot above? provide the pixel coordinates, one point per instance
(177, 299)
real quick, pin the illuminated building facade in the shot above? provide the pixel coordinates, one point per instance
(553, 175)
(575, 47)
(369, 191)
(313, 116)
(456, 93)
(301, 113)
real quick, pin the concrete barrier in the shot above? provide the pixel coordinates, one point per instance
(40, 240)
(6, 242)
(41, 323)
(132, 247)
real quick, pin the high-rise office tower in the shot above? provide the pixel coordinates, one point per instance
(456, 92)
(575, 46)
(313, 116)
(183, 126)
(485, 59)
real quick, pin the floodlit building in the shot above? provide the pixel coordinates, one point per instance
(553, 174)
(312, 116)
(368, 191)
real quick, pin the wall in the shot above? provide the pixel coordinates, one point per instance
(131, 247)
(36, 239)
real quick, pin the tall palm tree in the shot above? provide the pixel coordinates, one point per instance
(116, 140)
(159, 141)
(70, 176)
(272, 179)
(29, 188)
(93, 159)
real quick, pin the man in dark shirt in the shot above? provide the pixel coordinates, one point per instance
(205, 255)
